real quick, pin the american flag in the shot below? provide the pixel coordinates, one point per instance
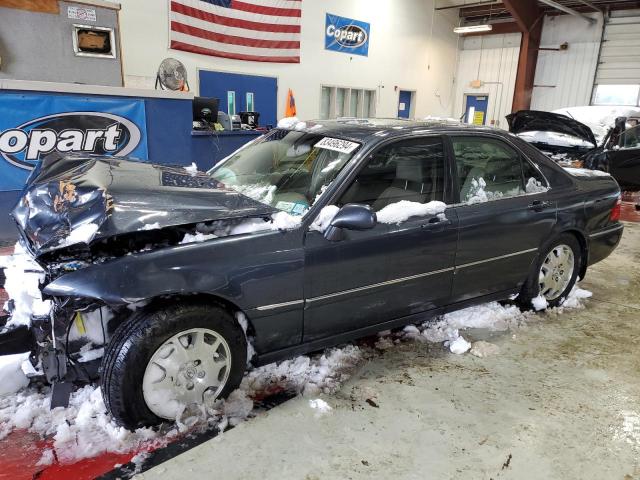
(252, 30)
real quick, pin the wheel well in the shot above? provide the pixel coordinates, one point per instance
(206, 298)
(584, 251)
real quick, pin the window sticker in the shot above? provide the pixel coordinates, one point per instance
(337, 145)
(293, 208)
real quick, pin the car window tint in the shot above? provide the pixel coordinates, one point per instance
(630, 138)
(411, 170)
(488, 169)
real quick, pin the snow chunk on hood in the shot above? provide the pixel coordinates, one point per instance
(192, 169)
(403, 210)
(82, 234)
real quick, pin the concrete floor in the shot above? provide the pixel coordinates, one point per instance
(560, 401)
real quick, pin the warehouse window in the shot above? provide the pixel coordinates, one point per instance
(342, 102)
(616, 95)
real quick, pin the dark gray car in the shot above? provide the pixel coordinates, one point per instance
(303, 239)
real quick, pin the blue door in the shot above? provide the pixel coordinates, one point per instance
(404, 104)
(242, 93)
(476, 109)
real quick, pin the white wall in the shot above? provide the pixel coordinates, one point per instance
(490, 58)
(565, 78)
(403, 52)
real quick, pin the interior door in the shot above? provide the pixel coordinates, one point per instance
(402, 266)
(404, 104)
(476, 109)
(505, 213)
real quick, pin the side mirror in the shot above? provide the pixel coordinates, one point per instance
(352, 216)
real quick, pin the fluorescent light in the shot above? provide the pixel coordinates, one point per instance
(474, 28)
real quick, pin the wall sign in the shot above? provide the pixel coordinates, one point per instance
(346, 35)
(81, 13)
(35, 125)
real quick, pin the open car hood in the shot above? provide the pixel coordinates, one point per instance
(536, 121)
(80, 200)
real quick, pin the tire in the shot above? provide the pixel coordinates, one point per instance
(554, 296)
(126, 364)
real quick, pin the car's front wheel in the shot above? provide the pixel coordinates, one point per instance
(170, 357)
(555, 273)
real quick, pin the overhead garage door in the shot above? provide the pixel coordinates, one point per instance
(620, 55)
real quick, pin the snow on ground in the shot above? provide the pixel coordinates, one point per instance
(84, 429)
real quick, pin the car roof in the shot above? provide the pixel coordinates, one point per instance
(366, 129)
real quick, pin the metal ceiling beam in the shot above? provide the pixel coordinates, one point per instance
(466, 5)
(568, 10)
(590, 4)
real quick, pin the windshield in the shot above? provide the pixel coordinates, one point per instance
(285, 169)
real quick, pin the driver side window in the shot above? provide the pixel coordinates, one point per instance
(411, 170)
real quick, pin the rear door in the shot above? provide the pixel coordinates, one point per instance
(504, 212)
(402, 266)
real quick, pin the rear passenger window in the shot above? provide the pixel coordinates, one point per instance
(411, 170)
(489, 169)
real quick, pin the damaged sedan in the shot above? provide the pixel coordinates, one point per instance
(615, 150)
(165, 283)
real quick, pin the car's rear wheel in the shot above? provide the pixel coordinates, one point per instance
(555, 273)
(168, 358)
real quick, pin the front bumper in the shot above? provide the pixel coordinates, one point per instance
(603, 242)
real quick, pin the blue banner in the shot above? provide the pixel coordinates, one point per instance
(34, 125)
(346, 35)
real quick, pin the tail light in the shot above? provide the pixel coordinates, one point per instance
(615, 212)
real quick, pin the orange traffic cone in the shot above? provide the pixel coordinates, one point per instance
(290, 109)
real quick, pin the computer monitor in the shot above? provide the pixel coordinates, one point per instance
(205, 109)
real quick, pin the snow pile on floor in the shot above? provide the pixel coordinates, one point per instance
(12, 375)
(401, 211)
(307, 375)
(23, 276)
(539, 303)
(82, 430)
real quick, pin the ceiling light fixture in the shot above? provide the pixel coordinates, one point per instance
(473, 28)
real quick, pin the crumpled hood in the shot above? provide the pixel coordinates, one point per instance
(74, 199)
(536, 121)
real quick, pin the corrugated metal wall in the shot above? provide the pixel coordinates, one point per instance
(494, 60)
(620, 57)
(564, 78)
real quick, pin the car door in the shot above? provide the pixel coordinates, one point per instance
(400, 267)
(624, 161)
(505, 212)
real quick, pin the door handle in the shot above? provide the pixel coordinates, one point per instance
(539, 205)
(436, 222)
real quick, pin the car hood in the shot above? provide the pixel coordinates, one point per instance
(536, 121)
(81, 200)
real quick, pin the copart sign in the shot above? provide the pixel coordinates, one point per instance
(35, 125)
(347, 35)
